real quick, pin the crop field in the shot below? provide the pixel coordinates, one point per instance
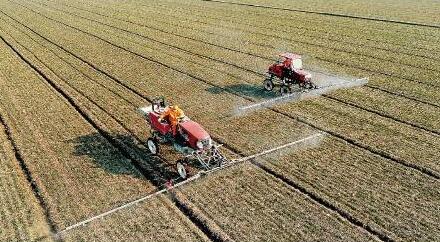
(74, 161)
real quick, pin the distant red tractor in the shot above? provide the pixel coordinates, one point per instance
(288, 72)
(188, 138)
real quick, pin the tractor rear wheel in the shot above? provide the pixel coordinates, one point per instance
(284, 90)
(268, 84)
(181, 169)
(152, 146)
(309, 85)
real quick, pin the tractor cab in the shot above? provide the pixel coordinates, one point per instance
(190, 139)
(188, 133)
(286, 72)
(292, 61)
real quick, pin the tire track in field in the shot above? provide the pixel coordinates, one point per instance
(348, 103)
(73, 67)
(186, 210)
(325, 203)
(314, 196)
(269, 59)
(287, 39)
(151, 175)
(414, 125)
(35, 189)
(327, 14)
(380, 27)
(402, 95)
(244, 29)
(202, 225)
(377, 151)
(212, 6)
(118, 121)
(264, 28)
(352, 141)
(383, 115)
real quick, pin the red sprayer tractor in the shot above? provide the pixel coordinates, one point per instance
(287, 72)
(187, 137)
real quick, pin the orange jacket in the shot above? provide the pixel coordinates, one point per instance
(172, 114)
(287, 63)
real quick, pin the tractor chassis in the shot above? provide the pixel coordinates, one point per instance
(207, 159)
(285, 84)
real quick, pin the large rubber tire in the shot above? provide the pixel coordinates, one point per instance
(268, 84)
(285, 90)
(153, 146)
(181, 170)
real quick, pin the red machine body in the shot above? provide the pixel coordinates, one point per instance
(287, 72)
(296, 74)
(191, 139)
(192, 131)
(296, 71)
(162, 127)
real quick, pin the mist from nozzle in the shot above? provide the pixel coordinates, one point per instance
(324, 81)
(282, 153)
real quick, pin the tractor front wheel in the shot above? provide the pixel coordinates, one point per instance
(268, 84)
(284, 90)
(152, 146)
(181, 169)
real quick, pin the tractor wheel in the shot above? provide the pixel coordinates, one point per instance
(152, 146)
(181, 169)
(309, 85)
(284, 90)
(313, 86)
(268, 84)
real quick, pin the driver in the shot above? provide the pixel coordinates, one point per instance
(287, 63)
(287, 67)
(173, 114)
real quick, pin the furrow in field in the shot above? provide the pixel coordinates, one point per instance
(248, 205)
(371, 60)
(427, 25)
(210, 25)
(397, 85)
(408, 120)
(219, 26)
(223, 13)
(23, 212)
(363, 184)
(388, 139)
(49, 141)
(199, 215)
(367, 146)
(256, 25)
(117, 143)
(153, 220)
(400, 109)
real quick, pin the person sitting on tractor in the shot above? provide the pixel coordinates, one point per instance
(173, 114)
(287, 67)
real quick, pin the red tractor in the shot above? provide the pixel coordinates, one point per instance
(187, 138)
(286, 72)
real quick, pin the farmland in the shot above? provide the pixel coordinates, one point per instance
(74, 73)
